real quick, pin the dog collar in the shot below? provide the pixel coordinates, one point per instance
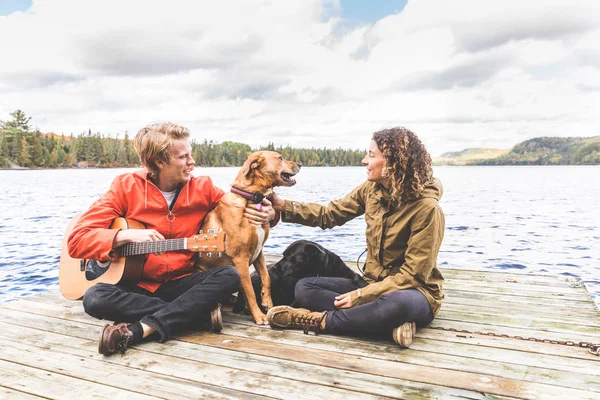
(254, 197)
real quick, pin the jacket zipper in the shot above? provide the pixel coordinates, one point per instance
(170, 217)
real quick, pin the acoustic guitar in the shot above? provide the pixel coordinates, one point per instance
(75, 276)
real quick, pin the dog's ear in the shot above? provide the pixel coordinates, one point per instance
(293, 248)
(312, 250)
(252, 163)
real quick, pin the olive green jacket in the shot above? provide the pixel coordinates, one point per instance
(402, 240)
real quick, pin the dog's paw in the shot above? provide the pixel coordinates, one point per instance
(261, 319)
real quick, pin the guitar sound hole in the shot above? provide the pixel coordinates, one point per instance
(95, 269)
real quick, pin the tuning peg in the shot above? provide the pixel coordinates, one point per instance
(205, 247)
(200, 231)
(209, 254)
(216, 236)
(210, 231)
(220, 230)
(214, 247)
(219, 254)
(205, 237)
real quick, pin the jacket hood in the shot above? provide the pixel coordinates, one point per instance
(433, 189)
(143, 174)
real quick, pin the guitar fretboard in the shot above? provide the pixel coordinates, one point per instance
(159, 246)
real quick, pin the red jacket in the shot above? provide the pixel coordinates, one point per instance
(133, 196)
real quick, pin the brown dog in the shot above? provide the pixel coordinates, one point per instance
(262, 171)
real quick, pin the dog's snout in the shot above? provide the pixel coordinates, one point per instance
(299, 164)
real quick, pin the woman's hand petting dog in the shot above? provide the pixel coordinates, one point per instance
(259, 214)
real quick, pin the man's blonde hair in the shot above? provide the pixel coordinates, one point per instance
(153, 143)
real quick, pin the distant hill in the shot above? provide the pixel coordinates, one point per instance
(468, 156)
(537, 151)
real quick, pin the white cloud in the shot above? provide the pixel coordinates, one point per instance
(464, 73)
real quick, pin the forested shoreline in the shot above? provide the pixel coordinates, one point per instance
(24, 148)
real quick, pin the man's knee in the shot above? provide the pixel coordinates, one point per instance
(94, 299)
(230, 277)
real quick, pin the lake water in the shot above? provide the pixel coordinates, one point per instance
(525, 219)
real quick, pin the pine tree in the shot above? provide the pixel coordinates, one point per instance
(37, 152)
(24, 156)
(3, 151)
(53, 159)
(13, 133)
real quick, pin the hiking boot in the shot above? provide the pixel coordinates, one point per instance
(115, 338)
(297, 318)
(215, 322)
(405, 334)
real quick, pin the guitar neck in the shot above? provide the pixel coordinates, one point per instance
(159, 246)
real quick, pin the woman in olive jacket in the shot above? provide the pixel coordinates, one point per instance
(405, 227)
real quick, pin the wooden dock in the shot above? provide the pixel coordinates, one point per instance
(48, 349)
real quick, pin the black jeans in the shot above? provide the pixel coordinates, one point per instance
(375, 318)
(174, 306)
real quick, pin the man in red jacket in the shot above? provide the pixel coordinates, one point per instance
(171, 203)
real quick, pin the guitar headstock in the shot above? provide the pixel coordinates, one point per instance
(209, 242)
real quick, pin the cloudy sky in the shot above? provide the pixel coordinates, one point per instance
(460, 73)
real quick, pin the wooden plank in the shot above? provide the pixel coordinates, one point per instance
(496, 361)
(515, 281)
(454, 311)
(520, 333)
(295, 372)
(507, 276)
(486, 357)
(542, 361)
(498, 385)
(452, 378)
(555, 334)
(108, 373)
(502, 350)
(36, 382)
(450, 286)
(8, 393)
(460, 351)
(162, 369)
(523, 321)
(517, 298)
(525, 308)
(567, 354)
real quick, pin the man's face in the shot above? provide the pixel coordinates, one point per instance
(180, 165)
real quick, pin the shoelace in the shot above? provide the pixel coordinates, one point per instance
(122, 344)
(308, 323)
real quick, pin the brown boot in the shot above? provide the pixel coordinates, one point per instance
(115, 338)
(405, 334)
(297, 318)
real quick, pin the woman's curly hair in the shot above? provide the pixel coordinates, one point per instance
(407, 164)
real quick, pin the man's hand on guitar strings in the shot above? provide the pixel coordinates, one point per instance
(136, 235)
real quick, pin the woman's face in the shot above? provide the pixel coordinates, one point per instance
(374, 163)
